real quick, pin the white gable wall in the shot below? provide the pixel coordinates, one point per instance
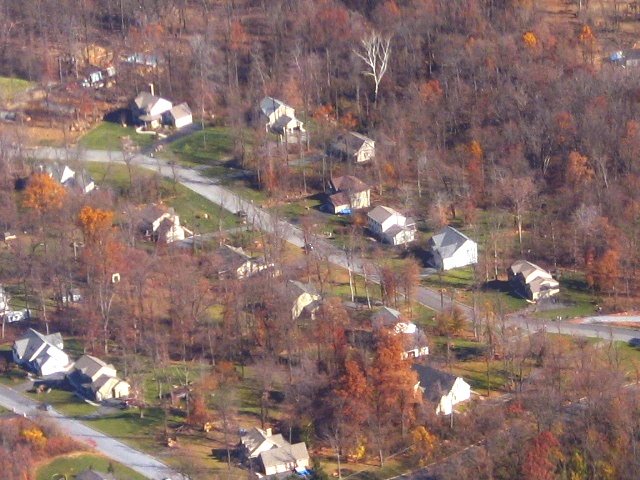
(161, 106)
(366, 152)
(460, 392)
(467, 254)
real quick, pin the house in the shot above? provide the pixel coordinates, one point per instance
(531, 281)
(353, 146)
(97, 379)
(281, 118)
(71, 296)
(413, 339)
(235, 263)
(148, 109)
(452, 249)
(304, 298)
(142, 59)
(627, 58)
(94, 475)
(272, 452)
(179, 116)
(79, 181)
(42, 354)
(348, 193)
(441, 388)
(161, 224)
(391, 226)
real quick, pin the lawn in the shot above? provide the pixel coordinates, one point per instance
(205, 147)
(575, 299)
(190, 206)
(10, 87)
(107, 136)
(64, 402)
(69, 465)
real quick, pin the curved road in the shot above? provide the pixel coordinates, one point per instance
(108, 446)
(263, 220)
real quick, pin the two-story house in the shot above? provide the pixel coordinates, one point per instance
(390, 226)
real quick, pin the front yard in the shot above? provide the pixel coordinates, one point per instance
(108, 136)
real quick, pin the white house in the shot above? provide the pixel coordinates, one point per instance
(68, 178)
(353, 146)
(452, 249)
(179, 116)
(304, 298)
(235, 263)
(281, 118)
(413, 339)
(391, 226)
(40, 353)
(272, 452)
(441, 388)
(161, 224)
(348, 193)
(148, 108)
(97, 379)
(532, 281)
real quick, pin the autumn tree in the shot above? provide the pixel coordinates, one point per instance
(542, 457)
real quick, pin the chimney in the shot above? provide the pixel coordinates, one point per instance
(268, 432)
(151, 87)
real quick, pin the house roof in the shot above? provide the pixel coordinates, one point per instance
(268, 105)
(298, 288)
(90, 365)
(380, 214)
(145, 101)
(447, 241)
(93, 475)
(151, 213)
(339, 199)
(33, 340)
(284, 455)
(348, 183)
(351, 142)
(387, 316)
(232, 257)
(527, 268)
(435, 383)
(282, 122)
(254, 437)
(180, 111)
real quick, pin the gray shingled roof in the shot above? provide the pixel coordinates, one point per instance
(447, 241)
(348, 183)
(89, 365)
(180, 111)
(26, 346)
(381, 213)
(284, 455)
(387, 316)
(350, 142)
(268, 105)
(435, 383)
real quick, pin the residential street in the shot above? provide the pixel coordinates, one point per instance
(108, 446)
(259, 218)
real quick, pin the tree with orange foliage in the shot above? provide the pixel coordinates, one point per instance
(578, 172)
(392, 385)
(94, 222)
(43, 194)
(530, 39)
(603, 272)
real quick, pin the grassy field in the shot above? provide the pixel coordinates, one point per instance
(189, 205)
(574, 300)
(10, 87)
(206, 147)
(107, 136)
(65, 402)
(70, 465)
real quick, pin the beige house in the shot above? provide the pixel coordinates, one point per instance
(272, 453)
(233, 262)
(532, 281)
(354, 147)
(97, 379)
(390, 226)
(348, 193)
(304, 298)
(161, 224)
(281, 118)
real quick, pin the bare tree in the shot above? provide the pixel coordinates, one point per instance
(376, 51)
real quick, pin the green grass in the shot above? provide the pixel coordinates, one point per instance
(475, 374)
(10, 87)
(207, 147)
(71, 465)
(575, 299)
(65, 402)
(107, 136)
(458, 278)
(190, 206)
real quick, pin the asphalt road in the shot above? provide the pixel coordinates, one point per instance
(263, 220)
(108, 446)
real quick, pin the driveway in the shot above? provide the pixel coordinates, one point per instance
(140, 462)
